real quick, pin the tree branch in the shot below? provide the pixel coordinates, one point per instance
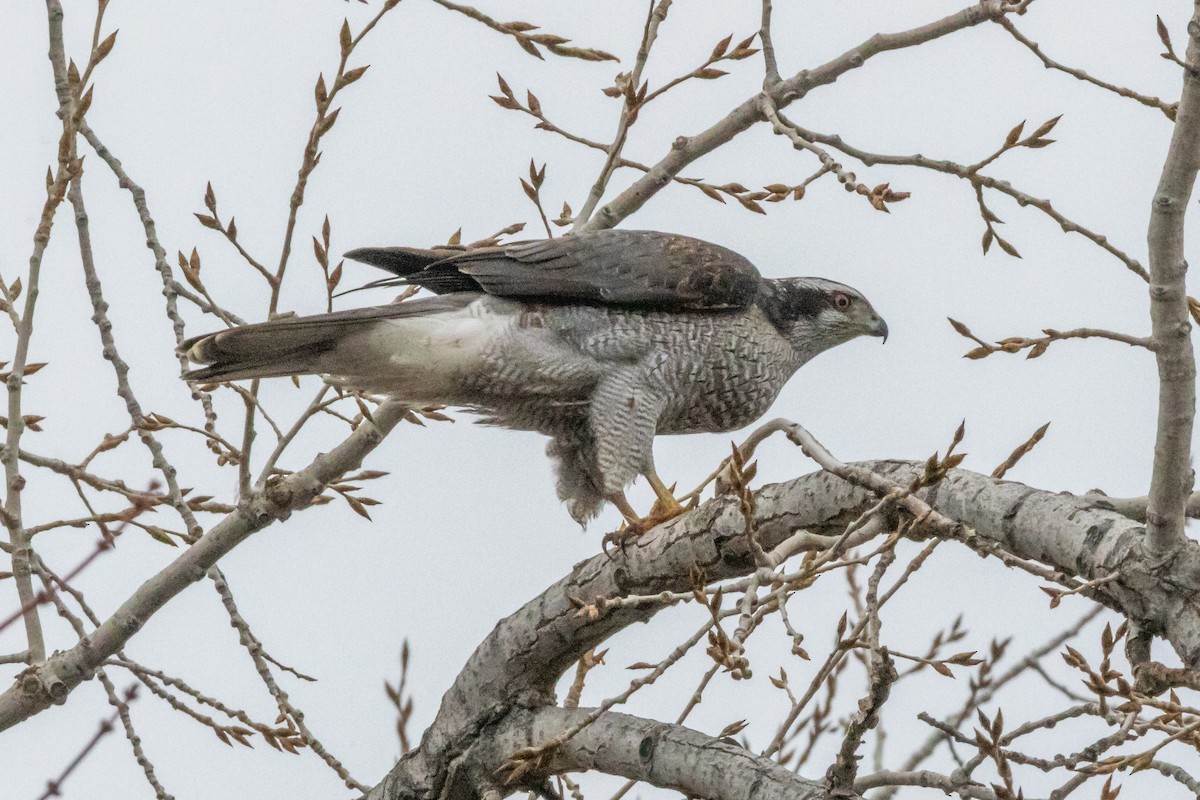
(687, 149)
(771, 77)
(520, 661)
(1172, 478)
(980, 182)
(634, 98)
(1152, 102)
(661, 754)
(14, 482)
(950, 784)
(1135, 507)
(37, 688)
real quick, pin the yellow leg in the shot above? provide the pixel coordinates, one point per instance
(666, 499)
(665, 508)
(635, 526)
(622, 504)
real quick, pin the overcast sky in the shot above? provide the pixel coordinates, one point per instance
(222, 91)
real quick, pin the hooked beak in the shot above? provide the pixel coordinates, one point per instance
(879, 328)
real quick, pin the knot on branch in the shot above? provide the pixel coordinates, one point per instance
(1154, 679)
(43, 684)
(279, 494)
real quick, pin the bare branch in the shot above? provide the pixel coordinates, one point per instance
(286, 710)
(528, 651)
(775, 192)
(1135, 507)
(1172, 477)
(881, 674)
(171, 288)
(120, 367)
(529, 42)
(950, 784)
(981, 182)
(54, 786)
(634, 96)
(687, 149)
(878, 197)
(664, 755)
(771, 76)
(14, 482)
(1166, 108)
(65, 670)
(987, 688)
(1038, 346)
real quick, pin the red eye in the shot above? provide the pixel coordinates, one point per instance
(841, 301)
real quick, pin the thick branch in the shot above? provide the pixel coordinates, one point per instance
(518, 664)
(661, 754)
(1171, 481)
(1135, 507)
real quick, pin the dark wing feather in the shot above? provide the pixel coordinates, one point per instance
(414, 265)
(644, 269)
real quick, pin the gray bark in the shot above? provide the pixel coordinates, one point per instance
(516, 667)
(661, 754)
(1171, 481)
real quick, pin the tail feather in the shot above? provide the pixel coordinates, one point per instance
(267, 350)
(299, 345)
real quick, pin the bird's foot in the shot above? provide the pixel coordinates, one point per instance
(665, 509)
(629, 533)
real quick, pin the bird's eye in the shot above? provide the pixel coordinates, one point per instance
(841, 301)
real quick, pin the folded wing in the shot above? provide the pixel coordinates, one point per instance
(630, 269)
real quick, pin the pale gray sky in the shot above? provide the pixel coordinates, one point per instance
(222, 91)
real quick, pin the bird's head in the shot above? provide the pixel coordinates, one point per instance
(816, 314)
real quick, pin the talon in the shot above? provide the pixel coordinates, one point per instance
(622, 538)
(665, 508)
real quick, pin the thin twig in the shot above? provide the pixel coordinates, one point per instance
(1166, 108)
(771, 76)
(120, 366)
(981, 182)
(635, 95)
(981, 695)
(685, 150)
(289, 711)
(286, 439)
(54, 785)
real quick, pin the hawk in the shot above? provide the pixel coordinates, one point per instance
(598, 340)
